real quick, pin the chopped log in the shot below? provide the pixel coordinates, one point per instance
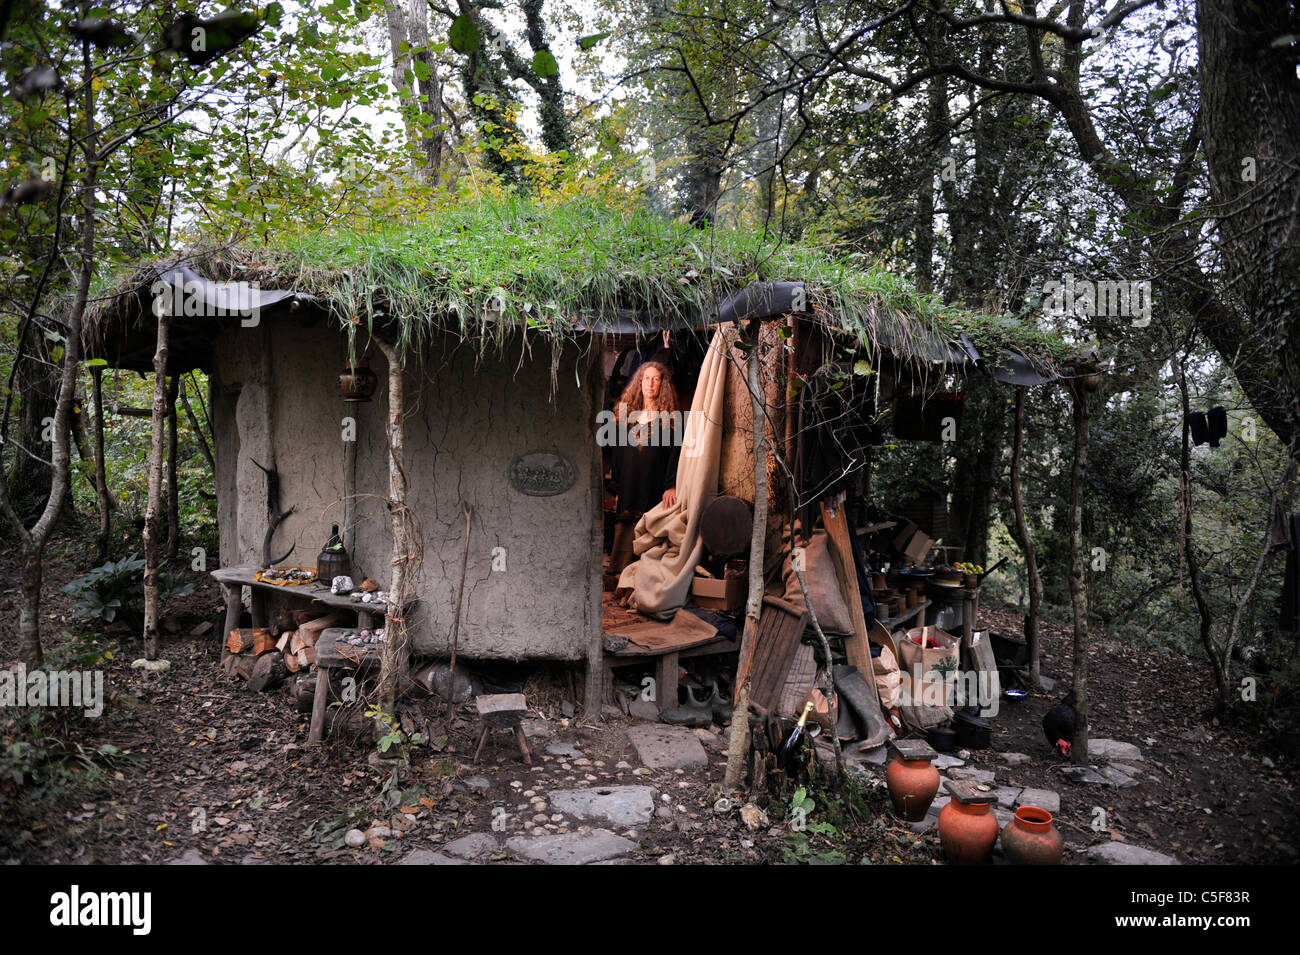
(243, 665)
(268, 672)
(263, 641)
(297, 641)
(303, 616)
(283, 643)
(307, 656)
(312, 629)
(291, 661)
(239, 640)
(305, 691)
(228, 665)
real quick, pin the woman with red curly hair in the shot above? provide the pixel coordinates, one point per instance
(645, 456)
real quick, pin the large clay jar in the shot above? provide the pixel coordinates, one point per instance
(1031, 839)
(912, 785)
(967, 831)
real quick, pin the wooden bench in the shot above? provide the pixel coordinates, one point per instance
(316, 595)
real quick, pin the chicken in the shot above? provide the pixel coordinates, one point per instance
(1058, 724)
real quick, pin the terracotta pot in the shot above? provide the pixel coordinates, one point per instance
(358, 383)
(1031, 839)
(912, 785)
(967, 832)
(878, 580)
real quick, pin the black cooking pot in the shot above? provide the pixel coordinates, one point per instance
(973, 732)
(942, 737)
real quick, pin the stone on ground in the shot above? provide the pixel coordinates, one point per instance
(571, 848)
(1111, 750)
(667, 747)
(1121, 853)
(1013, 759)
(618, 805)
(564, 749)
(474, 846)
(647, 710)
(1042, 798)
(429, 857)
(1007, 796)
(190, 857)
(1099, 776)
(944, 761)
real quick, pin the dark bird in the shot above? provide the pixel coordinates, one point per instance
(1059, 723)
(201, 41)
(101, 31)
(25, 193)
(36, 82)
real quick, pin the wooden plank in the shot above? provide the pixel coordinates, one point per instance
(779, 630)
(856, 647)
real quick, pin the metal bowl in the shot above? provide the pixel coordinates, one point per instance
(1014, 696)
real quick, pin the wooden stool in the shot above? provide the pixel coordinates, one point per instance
(503, 711)
(332, 650)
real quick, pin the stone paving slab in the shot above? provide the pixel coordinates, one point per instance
(1110, 750)
(429, 857)
(667, 747)
(1121, 853)
(571, 848)
(474, 846)
(1042, 798)
(618, 805)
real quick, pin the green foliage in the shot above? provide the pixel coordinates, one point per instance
(105, 591)
(41, 760)
(810, 843)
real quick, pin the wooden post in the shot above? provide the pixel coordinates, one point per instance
(154, 508)
(395, 656)
(101, 480)
(758, 538)
(173, 501)
(1026, 542)
(594, 688)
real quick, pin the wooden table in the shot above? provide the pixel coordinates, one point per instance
(315, 594)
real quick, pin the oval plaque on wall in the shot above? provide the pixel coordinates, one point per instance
(542, 474)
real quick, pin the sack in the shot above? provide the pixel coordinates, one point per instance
(823, 588)
(931, 659)
(884, 669)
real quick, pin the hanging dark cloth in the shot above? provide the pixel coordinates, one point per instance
(1200, 427)
(1217, 422)
(1290, 621)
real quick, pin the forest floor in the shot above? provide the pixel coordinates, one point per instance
(190, 764)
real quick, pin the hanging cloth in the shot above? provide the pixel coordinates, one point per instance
(668, 543)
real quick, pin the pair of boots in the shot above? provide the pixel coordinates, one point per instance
(704, 705)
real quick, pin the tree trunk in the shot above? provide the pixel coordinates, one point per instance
(399, 43)
(1250, 111)
(101, 476)
(395, 656)
(1026, 543)
(430, 137)
(1078, 588)
(173, 491)
(153, 510)
(199, 434)
(32, 542)
(739, 748)
(1187, 543)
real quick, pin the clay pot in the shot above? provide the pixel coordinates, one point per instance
(967, 832)
(358, 383)
(1031, 839)
(878, 580)
(912, 785)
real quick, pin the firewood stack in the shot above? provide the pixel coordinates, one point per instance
(266, 657)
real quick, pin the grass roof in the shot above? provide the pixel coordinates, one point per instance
(551, 267)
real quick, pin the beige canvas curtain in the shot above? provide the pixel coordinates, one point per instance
(668, 544)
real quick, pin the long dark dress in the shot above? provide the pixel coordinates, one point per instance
(643, 470)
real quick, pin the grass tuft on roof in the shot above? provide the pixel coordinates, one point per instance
(484, 269)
